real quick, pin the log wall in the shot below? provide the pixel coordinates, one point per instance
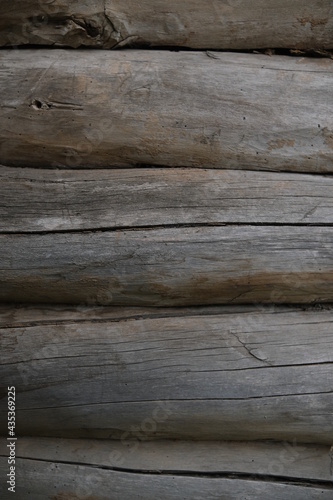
(166, 196)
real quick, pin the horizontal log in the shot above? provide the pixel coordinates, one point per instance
(164, 469)
(134, 108)
(293, 460)
(235, 376)
(34, 200)
(179, 266)
(59, 481)
(191, 23)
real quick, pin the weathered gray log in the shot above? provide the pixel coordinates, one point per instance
(239, 376)
(165, 469)
(191, 23)
(292, 460)
(176, 266)
(129, 108)
(61, 481)
(46, 200)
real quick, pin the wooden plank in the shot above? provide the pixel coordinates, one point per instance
(58, 481)
(191, 23)
(178, 266)
(245, 376)
(32, 200)
(132, 108)
(289, 459)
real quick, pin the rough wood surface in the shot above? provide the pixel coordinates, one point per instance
(35, 200)
(18, 315)
(191, 23)
(292, 460)
(178, 266)
(57, 481)
(134, 108)
(241, 376)
(127, 470)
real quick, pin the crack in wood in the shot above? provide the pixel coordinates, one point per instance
(192, 473)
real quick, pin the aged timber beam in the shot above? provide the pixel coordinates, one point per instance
(71, 480)
(204, 374)
(133, 108)
(170, 266)
(42, 200)
(103, 469)
(191, 23)
(291, 459)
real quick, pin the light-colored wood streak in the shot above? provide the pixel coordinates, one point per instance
(131, 108)
(241, 376)
(191, 23)
(178, 266)
(35, 200)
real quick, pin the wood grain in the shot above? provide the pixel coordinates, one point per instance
(292, 460)
(57, 481)
(104, 109)
(34, 200)
(18, 315)
(178, 266)
(237, 376)
(112, 470)
(212, 25)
